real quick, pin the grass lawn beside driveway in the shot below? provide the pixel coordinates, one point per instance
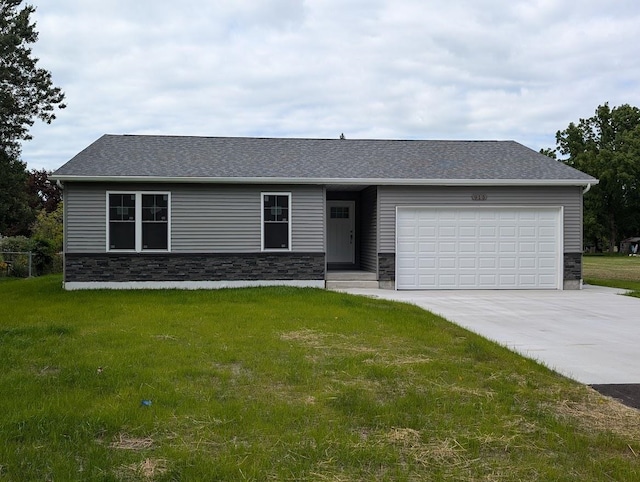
(614, 271)
(283, 384)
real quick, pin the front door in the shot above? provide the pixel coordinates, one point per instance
(341, 232)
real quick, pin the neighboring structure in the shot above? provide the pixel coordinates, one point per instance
(630, 246)
(162, 211)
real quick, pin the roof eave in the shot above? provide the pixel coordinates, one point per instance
(334, 181)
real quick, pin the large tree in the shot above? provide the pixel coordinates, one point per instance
(15, 213)
(27, 93)
(43, 194)
(607, 146)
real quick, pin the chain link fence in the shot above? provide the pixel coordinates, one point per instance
(17, 264)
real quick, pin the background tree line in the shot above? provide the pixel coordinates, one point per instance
(606, 146)
(29, 203)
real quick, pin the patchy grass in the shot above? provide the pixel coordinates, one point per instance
(613, 271)
(283, 384)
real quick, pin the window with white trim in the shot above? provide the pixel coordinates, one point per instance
(276, 221)
(138, 221)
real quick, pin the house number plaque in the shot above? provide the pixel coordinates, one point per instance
(478, 197)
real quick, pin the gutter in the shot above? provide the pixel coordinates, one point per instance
(338, 181)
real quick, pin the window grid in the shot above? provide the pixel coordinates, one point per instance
(339, 212)
(138, 221)
(276, 227)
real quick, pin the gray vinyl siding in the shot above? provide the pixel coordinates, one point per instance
(204, 218)
(308, 211)
(208, 218)
(86, 222)
(369, 229)
(569, 197)
(226, 218)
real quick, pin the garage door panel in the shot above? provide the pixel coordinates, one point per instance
(527, 281)
(427, 231)
(546, 232)
(508, 232)
(478, 248)
(408, 262)
(468, 263)
(507, 280)
(546, 248)
(546, 279)
(548, 215)
(447, 247)
(526, 248)
(447, 231)
(428, 282)
(488, 248)
(466, 248)
(447, 281)
(525, 232)
(467, 232)
(489, 280)
(468, 281)
(507, 263)
(487, 231)
(507, 247)
(407, 247)
(427, 248)
(546, 262)
(527, 263)
(487, 263)
(427, 263)
(446, 263)
(526, 215)
(486, 215)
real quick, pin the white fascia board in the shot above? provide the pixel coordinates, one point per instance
(334, 181)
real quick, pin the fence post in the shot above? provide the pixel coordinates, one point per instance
(30, 258)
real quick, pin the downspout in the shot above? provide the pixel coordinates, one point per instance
(64, 233)
(584, 191)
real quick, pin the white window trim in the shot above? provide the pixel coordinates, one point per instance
(138, 227)
(289, 222)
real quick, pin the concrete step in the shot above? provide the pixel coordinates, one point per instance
(350, 276)
(346, 284)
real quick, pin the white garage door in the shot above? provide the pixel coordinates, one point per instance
(478, 248)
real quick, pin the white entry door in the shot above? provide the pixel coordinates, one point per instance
(341, 232)
(479, 248)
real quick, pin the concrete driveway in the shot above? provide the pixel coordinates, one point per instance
(591, 335)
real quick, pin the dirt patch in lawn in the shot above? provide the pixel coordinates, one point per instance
(597, 412)
(125, 442)
(148, 469)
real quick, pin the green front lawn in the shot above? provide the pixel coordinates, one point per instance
(282, 384)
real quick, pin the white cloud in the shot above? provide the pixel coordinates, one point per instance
(378, 68)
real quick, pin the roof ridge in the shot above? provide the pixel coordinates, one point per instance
(188, 136)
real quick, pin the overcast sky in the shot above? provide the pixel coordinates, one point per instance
(390, 69)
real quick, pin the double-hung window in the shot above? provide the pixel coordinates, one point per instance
(276, 221)
(138, 221)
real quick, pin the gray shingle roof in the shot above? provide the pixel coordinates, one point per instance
(307, 160)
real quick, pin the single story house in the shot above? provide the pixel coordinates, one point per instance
(145, 211)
